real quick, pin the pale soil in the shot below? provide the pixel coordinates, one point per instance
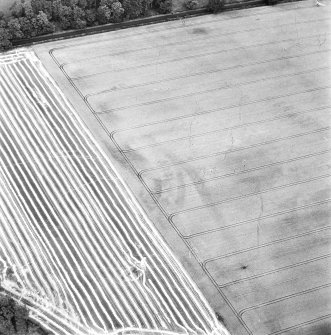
(219, 124)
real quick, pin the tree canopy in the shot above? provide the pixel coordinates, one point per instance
(14, 319)
(29, 18)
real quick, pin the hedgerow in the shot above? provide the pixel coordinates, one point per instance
(29, 18)
(215, 5)
(191, 4)
(163, 6)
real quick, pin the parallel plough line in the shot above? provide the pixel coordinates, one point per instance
(75, 245)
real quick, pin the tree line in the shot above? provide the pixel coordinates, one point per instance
(29, 18)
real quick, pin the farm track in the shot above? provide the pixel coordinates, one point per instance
(79, 249)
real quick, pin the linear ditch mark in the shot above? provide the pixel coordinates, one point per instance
(122, 88)
(212, 204)
(270, 302)
(264, 245)
(302, 324)
(172, 60)
(233, 310)
(187, 25)
(159, 205)
(99, 121)
(260, 218)
(279, 139)
(261, 167)
(208, 111)
(261, 246)
(227, 86)
(238, 126)
(242, 125)
(191, 40)
(232, 15)
(275, 271)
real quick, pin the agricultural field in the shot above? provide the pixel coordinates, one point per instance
(219, 125)
(74, 245)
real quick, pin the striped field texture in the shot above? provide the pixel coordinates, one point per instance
(74, 244)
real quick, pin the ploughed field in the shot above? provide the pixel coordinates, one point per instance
(74, 244)
(220, 125)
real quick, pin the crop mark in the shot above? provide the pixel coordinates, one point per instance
(212, 37)
(193, 74)
(81, 242)
(243, 83)
(112, 136)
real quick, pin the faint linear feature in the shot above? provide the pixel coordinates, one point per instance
(75, 245)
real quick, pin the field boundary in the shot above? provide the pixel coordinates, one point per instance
(131, 23)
